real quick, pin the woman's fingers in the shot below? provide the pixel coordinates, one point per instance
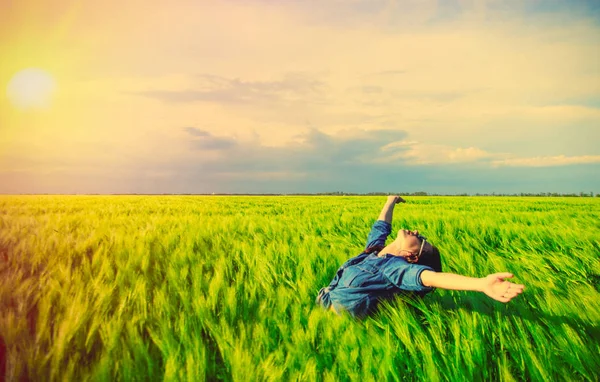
(508, 292)
(516, 287)
(501, 289)
(511, 294)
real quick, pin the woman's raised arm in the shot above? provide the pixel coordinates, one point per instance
(387, 211)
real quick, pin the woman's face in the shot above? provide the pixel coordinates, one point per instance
(410, 242)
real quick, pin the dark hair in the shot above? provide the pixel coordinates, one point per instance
(431, 259)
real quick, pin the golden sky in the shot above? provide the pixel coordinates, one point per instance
(265, 96)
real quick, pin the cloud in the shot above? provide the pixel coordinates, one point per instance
(547, 161)
(401, 14)
(448, 83)
(311, 152)
(203, 140)
(315, 152)
(196, 132)
(224, 90)
(416, 153)
(352, 160)
(486, 85)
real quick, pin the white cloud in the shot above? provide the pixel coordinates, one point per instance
(416, 153)
(547, 161)
(412, 152)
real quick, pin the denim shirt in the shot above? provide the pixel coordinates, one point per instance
(362, 281)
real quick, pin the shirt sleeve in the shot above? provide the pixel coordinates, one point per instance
(379, 233)
(406, 276)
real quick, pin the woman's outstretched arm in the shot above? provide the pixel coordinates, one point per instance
(387, 211)
(494, 286)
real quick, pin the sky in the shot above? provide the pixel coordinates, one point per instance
(307, 96)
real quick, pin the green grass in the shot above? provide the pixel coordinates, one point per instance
(191, 288)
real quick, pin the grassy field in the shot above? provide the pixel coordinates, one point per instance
(191, 288)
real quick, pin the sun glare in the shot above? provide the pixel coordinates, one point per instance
(31, 89)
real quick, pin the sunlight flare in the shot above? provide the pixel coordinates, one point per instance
(31, 88)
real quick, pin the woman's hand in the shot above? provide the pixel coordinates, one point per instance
(394, 199)
(495, 286)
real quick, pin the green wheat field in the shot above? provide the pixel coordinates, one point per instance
(193, 288)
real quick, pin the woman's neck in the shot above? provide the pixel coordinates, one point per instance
(393, 249)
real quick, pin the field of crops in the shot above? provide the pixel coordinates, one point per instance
(213, 287)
